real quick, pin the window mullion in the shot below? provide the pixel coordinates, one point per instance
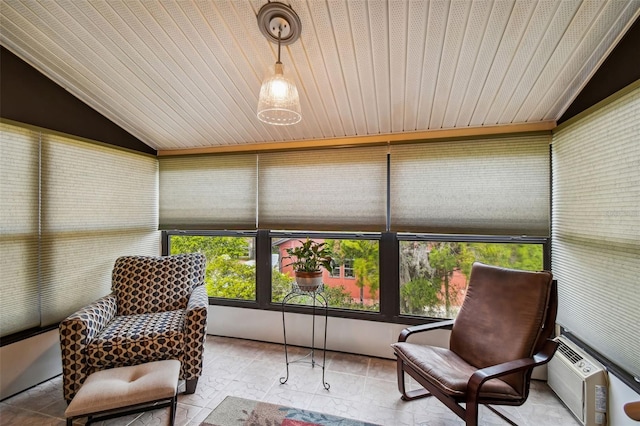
(263, 268)
(389, 276)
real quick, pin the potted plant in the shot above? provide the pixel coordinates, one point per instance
(307, 259)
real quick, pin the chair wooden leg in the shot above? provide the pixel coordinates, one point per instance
(415, 394)
(408, 395)
(190, 385)
(471, 414)
(502, 415)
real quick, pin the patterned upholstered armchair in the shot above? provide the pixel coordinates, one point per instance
(157, 309)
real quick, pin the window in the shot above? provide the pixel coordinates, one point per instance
(348, 268)
(358, 289)
(207, 192)
(492, 186)
(394, 277)
(231, 263)
(434, 274)
(485, 190)
(296, 189)
(335, 271)
(596, 223)
(19, 211)
(69, 208)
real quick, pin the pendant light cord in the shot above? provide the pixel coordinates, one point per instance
(279, 35)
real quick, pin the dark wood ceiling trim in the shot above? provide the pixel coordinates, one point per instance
(29, 97)
(619, 70)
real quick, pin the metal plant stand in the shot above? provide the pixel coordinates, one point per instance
(319, 301)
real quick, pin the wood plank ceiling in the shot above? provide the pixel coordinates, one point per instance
(186, 74)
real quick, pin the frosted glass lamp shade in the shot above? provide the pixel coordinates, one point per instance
(279, 103)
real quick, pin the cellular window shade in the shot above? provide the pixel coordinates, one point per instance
(19, 224)
(596, 229)
(491, 186)
(98, 203)
(208, 192)
(341, 189)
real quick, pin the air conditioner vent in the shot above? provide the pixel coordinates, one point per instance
(580, 382)
(568, 352)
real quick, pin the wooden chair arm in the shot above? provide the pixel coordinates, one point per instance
(488, 373)
(633, 410)
(446, 324)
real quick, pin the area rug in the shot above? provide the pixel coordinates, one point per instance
(235, 411)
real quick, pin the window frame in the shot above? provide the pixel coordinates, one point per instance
(389, 291)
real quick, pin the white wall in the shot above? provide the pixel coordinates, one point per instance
(346, 335)
(26, 363)
(620, 394)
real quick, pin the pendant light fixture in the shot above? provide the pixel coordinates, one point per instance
(279, 103)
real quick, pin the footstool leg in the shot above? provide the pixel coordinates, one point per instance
(172, 412)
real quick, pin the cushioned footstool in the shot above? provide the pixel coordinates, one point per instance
(128, 390)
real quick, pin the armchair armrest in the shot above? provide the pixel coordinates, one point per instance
(194, 332)
(482, 375)
(446, 324)
(198, 299)
(95, 316)
(76, 332)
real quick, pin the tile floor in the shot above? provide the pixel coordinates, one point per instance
(363, 388)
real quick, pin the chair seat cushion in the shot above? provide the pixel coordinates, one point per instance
(133, 339)
(449, 372)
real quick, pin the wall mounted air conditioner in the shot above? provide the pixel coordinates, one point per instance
(580, 382)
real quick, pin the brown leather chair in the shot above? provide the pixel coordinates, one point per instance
(503, 330)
